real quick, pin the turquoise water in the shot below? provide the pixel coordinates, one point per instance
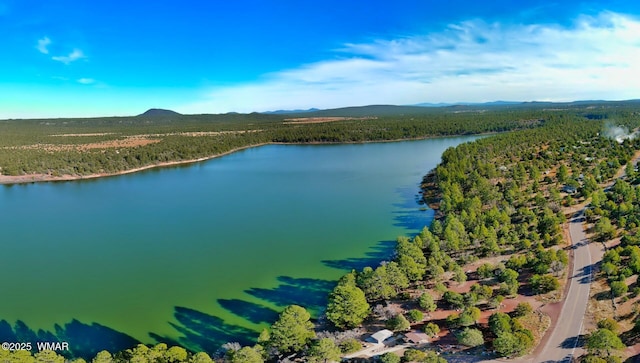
(205, 253)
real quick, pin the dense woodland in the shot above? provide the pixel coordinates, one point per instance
(614, 214)
(79, 146)
(504, 196)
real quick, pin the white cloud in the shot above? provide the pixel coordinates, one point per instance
(473, 61)
(73, 56)
(43, 45)
(86, 81)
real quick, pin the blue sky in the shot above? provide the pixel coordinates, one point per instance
(72, 58)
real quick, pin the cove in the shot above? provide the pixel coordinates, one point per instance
(203, 254)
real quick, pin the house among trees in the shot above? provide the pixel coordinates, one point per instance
(380, 336)
(416, 337)
(569, 189)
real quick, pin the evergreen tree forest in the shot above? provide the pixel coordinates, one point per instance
(505, 195)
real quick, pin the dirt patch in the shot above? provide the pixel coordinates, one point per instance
(538, 323)
(128, 142)
(622, 171)
(627, 307)
(199, 133)
(87, 134)
(131, 141)
(600, 305)
(315, 120)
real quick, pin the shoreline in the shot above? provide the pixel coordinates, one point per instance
(43, 178)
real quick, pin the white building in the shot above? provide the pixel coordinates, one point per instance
(380, 336)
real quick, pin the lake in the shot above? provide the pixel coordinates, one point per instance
(207, 253)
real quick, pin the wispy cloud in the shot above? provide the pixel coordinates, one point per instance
(43, 45)
(72, 57)
(86, 81)
(472, 61)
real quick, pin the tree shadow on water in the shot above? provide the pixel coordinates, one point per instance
(382, 251)
(307, 292)
(410, 197)
(413, 220)
(88, 340)
(203, 332)
(85, 340)
(252, 312)
(411, 214)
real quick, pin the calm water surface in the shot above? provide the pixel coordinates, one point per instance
(206, 253)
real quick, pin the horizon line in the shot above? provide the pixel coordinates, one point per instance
(427, 105)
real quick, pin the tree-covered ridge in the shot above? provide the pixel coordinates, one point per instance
(110, 145)
(507, 191)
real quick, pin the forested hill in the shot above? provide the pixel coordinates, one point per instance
(394, 110)
(159, 112)
(372, 110)
(109, 145)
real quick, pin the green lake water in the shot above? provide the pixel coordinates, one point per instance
(202, 254)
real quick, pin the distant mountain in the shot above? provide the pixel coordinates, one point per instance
(372, 110)
(159, 112)
(393, 110)
(390, 110)
(410, 110)
(279, 112)
(633, 101)
(429, 104)
(493, 103)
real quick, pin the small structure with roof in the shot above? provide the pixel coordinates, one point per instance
(416, 337)
(380, 336)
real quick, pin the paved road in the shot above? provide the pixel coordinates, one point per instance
(564, 340)
(564, 343)
(377, 349)
(367, 352)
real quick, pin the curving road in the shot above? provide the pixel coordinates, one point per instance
(563, 343)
